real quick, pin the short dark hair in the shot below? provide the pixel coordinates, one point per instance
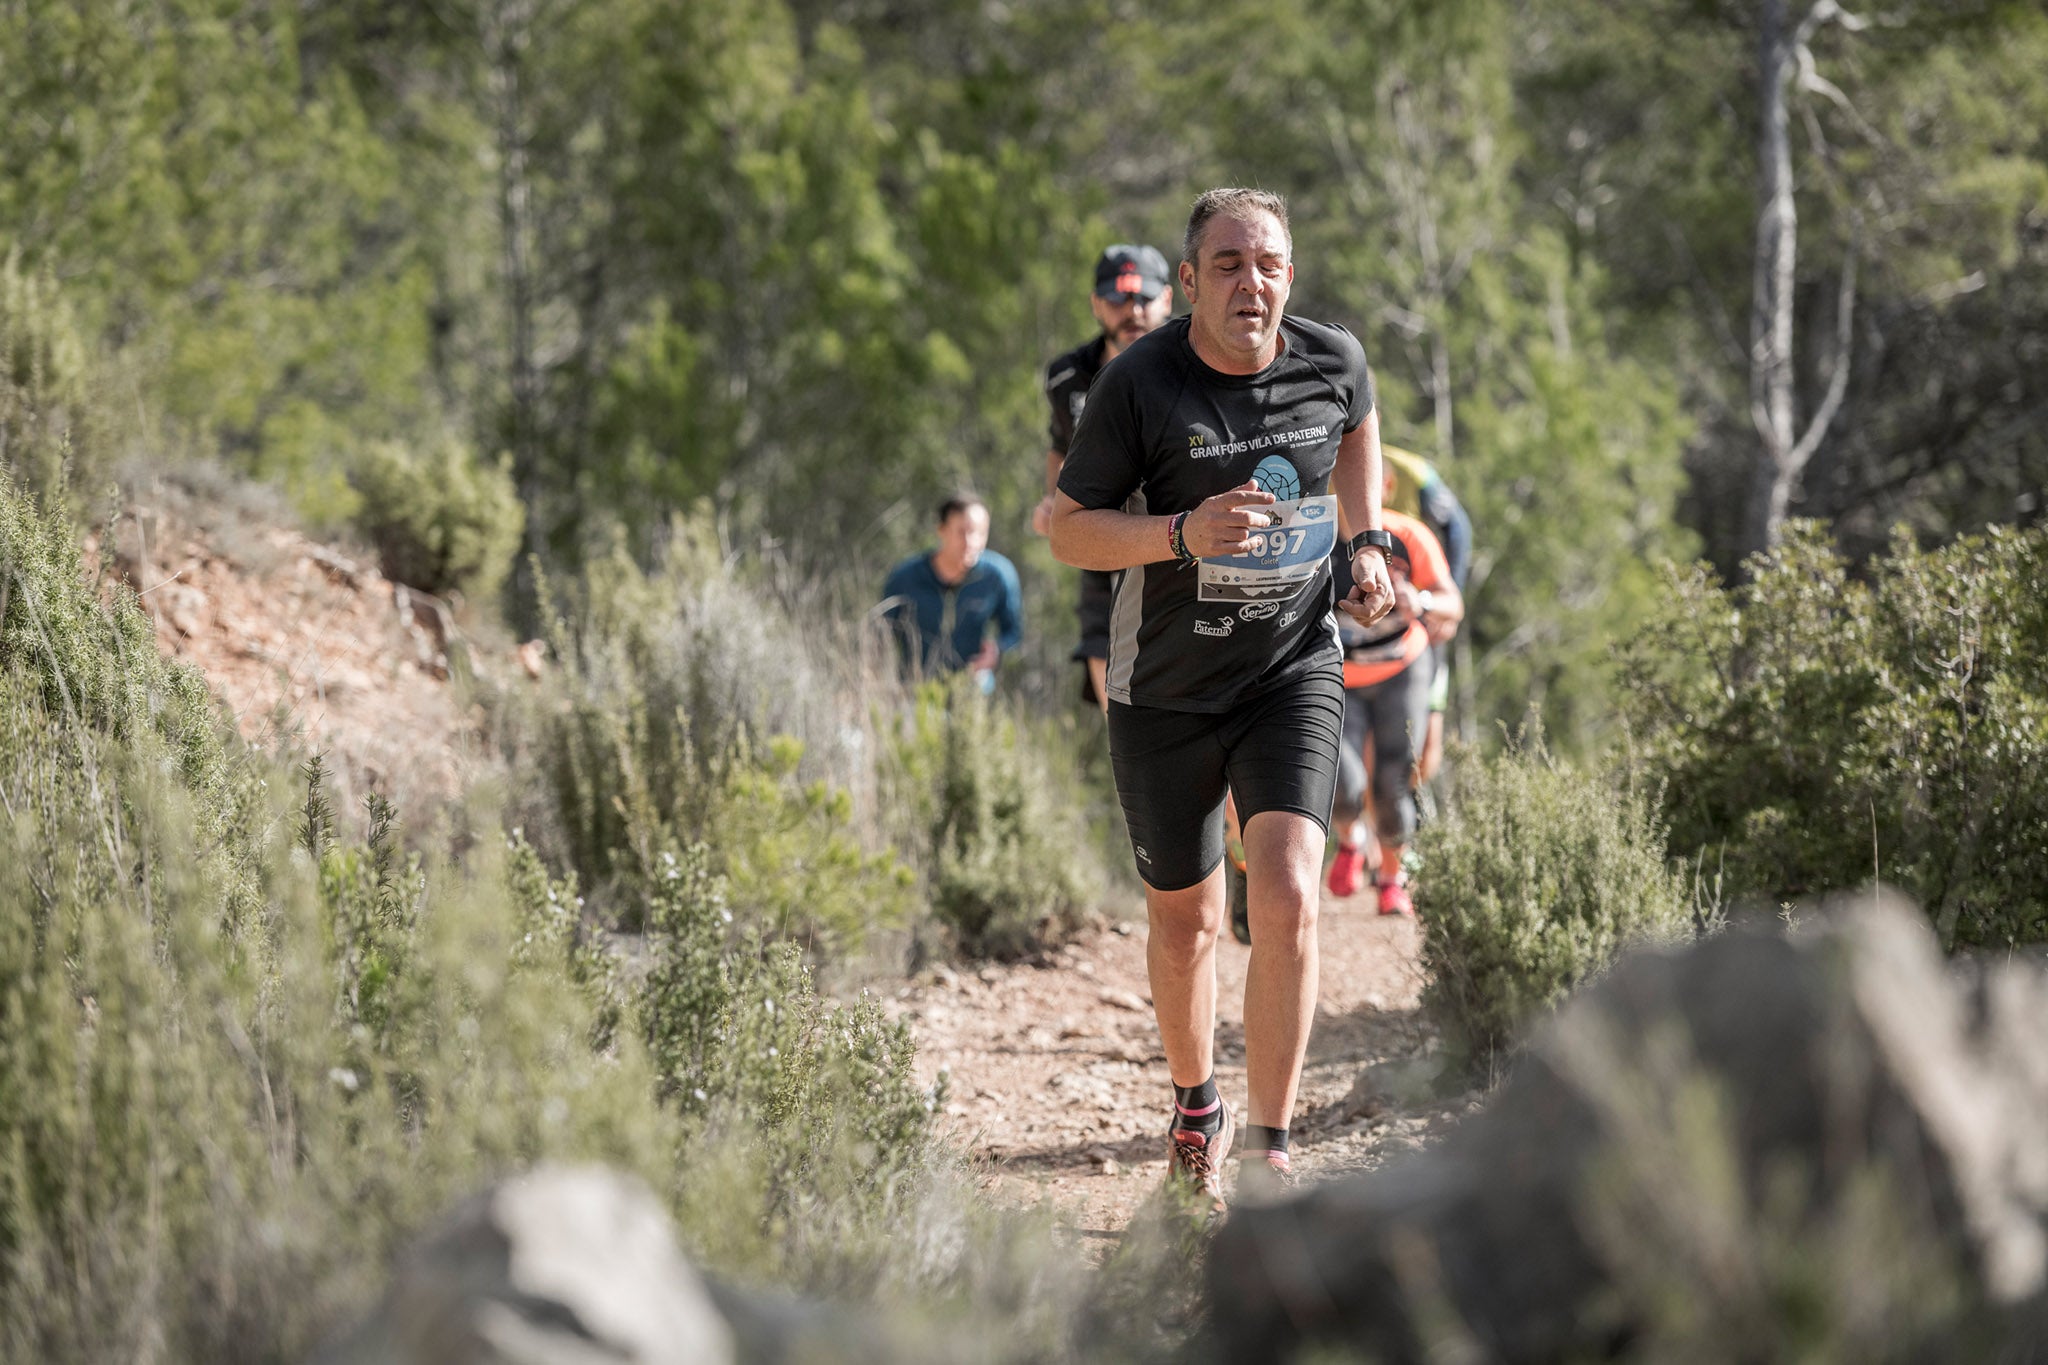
(958, 502)
(1231, 202)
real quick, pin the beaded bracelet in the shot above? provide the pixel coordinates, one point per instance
(1176, 537)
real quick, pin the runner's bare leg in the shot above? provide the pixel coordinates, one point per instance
(1180, 957)
(1284, 855)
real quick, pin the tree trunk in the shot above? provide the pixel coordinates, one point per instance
(1783, 450)
(1772, 280)
(507, 31)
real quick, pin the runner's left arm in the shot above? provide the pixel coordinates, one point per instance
(1356, 481)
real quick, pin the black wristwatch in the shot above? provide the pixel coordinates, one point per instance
(1376, 540)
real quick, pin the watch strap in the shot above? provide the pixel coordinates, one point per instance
(1386, 543)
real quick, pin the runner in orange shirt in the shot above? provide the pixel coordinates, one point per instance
(1388, 669)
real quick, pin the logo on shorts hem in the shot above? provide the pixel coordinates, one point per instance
(1142, 854)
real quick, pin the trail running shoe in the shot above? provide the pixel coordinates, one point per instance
(1197, 1157)
(1394, 898)
(1347, 871)
(1238, 894)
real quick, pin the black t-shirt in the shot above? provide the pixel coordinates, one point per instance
(1066, 389)
(1161, 432)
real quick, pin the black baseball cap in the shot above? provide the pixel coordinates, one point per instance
(1125, 272)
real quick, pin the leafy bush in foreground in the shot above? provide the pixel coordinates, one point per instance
(1810, 730)
(244, 1054)
(692, 708)
(231, 1081)
(995, 822)
(1539, 874)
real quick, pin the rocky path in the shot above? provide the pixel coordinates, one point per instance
(1056, 1081)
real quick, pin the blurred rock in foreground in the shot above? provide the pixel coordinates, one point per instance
(1831, 1145)
(562, 1266)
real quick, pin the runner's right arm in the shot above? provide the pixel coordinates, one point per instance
(1108, 539)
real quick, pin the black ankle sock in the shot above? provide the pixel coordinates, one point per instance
(1262, 1141)
(1198, 1107)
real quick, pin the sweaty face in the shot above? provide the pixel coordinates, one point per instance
(1237, 291)
(1123, 323)
(964, 535)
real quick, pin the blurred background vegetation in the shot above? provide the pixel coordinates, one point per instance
(658, 329)
(807, 259)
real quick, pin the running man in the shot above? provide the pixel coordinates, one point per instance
(1202, 474)
(1133, 295)
(941, 602)
(1388, 671)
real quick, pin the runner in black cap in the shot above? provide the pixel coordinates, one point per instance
(1133, 295)
(1207, 473)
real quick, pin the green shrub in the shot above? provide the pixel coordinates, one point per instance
(51, 432)
(440, 520)
(1811, 730)
(996, 819)
(1537, 876)
(645, 740)
(236, 1069)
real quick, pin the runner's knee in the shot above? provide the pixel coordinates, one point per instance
(1284, 916)
(1185, 923)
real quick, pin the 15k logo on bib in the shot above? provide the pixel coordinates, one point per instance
(1283, 558)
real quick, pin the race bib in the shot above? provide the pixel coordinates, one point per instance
(1283, 558)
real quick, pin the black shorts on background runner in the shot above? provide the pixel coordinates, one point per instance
(1067, 381)
(1098, 593)
(1276, 750)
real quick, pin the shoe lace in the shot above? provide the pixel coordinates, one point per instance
(1191, 1153)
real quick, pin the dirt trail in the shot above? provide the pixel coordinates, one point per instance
(1057, 1081)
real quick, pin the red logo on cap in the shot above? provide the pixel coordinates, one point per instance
(1127, 281)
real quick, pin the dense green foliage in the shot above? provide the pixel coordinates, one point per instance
(692, 708)
(232, 1079)
(997, 821)
(1813, 730)
(248, 1044)
(805, 258)
(1541, 873)
(440, 520)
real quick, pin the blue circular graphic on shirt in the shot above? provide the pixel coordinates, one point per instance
(1276, 475)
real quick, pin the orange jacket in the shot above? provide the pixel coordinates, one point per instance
(1427, 570)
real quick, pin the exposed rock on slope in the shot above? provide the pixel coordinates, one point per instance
(1826, 1146)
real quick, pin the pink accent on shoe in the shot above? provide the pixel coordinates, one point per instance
(1347, 871)
(1208, 1108)
(1394, 899)
(1198, 1158)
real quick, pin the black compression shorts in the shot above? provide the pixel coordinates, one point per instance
(1275, 751)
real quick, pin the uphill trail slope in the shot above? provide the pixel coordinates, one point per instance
(1056, 1084)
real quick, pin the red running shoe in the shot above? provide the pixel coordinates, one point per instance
(1394, 898)
(1347, 873)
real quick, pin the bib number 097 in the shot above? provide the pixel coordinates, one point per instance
(1274, 544)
